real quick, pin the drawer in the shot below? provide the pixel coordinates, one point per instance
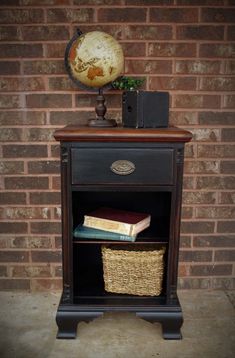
(122, 166)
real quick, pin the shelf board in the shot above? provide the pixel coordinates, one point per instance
(141, 240)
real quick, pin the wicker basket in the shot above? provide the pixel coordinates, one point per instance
(133, 270)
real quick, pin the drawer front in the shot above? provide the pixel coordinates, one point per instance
(122, 166)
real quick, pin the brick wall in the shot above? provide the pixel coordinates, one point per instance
(181, 46)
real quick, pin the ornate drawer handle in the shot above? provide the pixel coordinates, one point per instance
(122, 167)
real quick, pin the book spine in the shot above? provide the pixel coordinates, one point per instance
(108, 225)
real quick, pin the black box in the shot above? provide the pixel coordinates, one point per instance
(145, 109)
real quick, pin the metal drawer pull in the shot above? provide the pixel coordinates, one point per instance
(122, 167)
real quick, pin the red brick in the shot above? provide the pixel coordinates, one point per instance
(16, 284)
(122, 15)
(26, 182)
(187, 212)
(20, 50)
(22, 84)
(200, 2)
(77, 15)
(22, 118)
(216, 118)
(3, 271)
(226, 226)
(43, 67)
(11, 167)
(58, 242)
(200, 32)
(61, 84)
(43, 227)
(46, 284)
(224, 283)
(231, 33)
(199, 197)
(215, 212)
(205, 134)
(9, 33)
(194, 283)
(216, 151)
(197, 227)
(111, 100)
(170, 49)
(172, 83)
(211, 182)
(46, 256)
(195, 256)
(18, 242)
(40, 134)
(218, 15)
(9, 101)
(14, 256)
(48, 100)
(149, 2)
(225, 255)
(175, 15)
(55, 49)
(9, 68)
(11, 135)
(45, 198)
(147, 32)
(228, 135)
(45, 33)
(56, 183)
(227, 198)
(197, 101)
(44, 2)
(197, 67)
(189, 150)
(188, 182)
(222, 50)
(70, 117)
(58, 271)
(11, 228)
(227, 167)
(230, 67)
(217, 84)
(97, 2)
(30, 271)
(183, 118)
(24, 151)
(229, 101)
(148, 66)
(11, 198)
(185, 241)
(201, 167)
(39, 242)
(214, 241)
(132, 49)
(24, 213)
(44, 167)
(211, 270)
(55, 151)
(21, 16)
(113, 30)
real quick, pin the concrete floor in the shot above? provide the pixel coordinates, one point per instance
(28, 330)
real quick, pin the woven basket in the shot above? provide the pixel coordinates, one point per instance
(133, 270)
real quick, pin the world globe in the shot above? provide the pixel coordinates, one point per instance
(93, 61)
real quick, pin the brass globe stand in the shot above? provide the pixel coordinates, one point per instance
(100, 110)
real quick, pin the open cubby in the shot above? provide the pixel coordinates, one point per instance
(137, 170)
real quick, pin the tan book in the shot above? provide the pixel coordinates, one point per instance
(118, 221)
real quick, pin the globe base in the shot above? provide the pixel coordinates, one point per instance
(102, 123)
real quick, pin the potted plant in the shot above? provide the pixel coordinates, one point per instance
(127, 83)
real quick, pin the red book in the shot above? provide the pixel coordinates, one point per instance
(119, 221)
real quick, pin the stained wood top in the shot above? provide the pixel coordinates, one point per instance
(75, 133)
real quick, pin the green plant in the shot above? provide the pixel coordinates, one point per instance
(127, 83)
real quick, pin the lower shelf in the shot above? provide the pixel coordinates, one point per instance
(169, 315)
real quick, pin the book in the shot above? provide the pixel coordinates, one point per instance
(83, 232)
(118, 221)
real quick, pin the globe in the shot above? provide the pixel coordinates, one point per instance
(94, 59)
